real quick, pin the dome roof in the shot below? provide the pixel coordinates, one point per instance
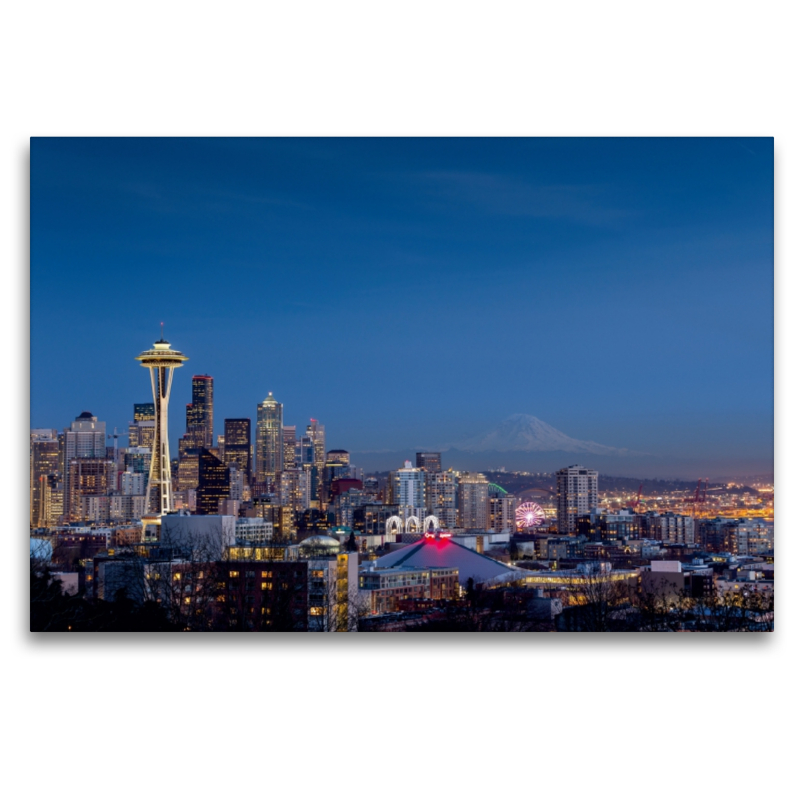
(85, 415)
(320, 541)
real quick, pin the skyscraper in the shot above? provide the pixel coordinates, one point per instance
(144, 412)
(85, 438)
(141, 431)
(408, 491)
(89, 478)
(316, 434)
(431, 462)
(576, 495)
(200, 412)
(237, 445)
(44, 462)
(337, 465)
(290, 460)
(161, 361)
(213, 483)
(269, 439)
(473, 501)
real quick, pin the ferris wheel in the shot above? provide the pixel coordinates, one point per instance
(529, 515)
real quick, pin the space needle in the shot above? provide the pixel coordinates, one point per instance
(161, 361)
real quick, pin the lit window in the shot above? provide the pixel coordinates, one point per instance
(233, 574)
(315, 611)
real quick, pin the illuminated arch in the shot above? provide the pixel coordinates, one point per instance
(394, 526)
(431, 523)
(416, 525)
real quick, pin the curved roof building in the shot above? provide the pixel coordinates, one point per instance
(441, 552)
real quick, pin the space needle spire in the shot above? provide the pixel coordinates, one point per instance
(161, 361)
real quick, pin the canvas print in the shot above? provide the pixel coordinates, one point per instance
(401, 385)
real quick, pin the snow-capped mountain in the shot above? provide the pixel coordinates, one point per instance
(525, 433)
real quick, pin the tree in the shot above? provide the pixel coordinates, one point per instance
(598, 601)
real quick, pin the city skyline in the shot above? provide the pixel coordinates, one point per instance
(648, 260)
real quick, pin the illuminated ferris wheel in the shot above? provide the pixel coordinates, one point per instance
(529, 515)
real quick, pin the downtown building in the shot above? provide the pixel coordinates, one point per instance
(87, 471)
(430, 462)
(407, 492)
(200, 412)
(44, 467)
(502, 510)
(237, 446)
(576, 496)
(142, 431)
(269, 440)
(213, 485)
(473, 501)
(441, 494)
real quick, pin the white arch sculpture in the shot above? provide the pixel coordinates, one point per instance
(394, 526)
(431, 524)
(416, 523)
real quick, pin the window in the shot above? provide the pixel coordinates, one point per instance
(233, 574)
(266, 586)
(315, 611)
(266, 574)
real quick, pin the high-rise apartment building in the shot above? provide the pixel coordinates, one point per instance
(44, 462)
(237, 445)
(441, 495)
(137, 459)
(85, 438)
(576, 495)
(430, 462)
(88, 477)
(142, 434)
(213, 483)
(188, 464)
(269, 439)
(473, 501)
(295, 489)
(502, 509)
(132, 483)
(407, 487)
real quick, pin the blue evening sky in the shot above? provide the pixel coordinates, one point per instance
(412, 292)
